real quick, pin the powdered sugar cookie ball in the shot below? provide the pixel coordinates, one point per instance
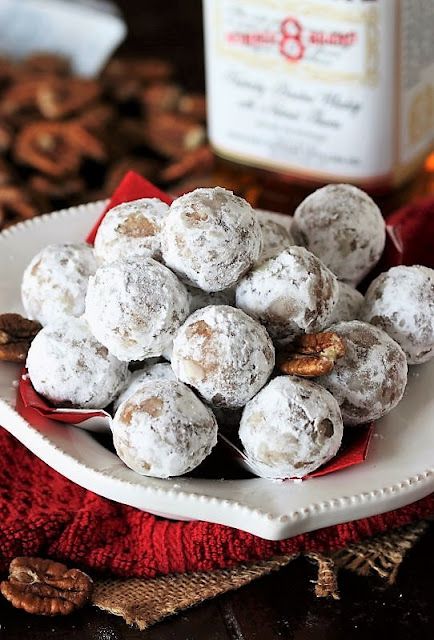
(200, 299)
(69, 367)
(275, 237)
(163, 430)
(55, 282)
(131, 230)
(224, 354)
(401, 301)
(289, 294)
(290, 428)
(158, 371)
(211, 238)
(370, 379)
(343, 226)
(348, 306)
(135, 307)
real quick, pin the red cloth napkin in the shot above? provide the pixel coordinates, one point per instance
(42, 513)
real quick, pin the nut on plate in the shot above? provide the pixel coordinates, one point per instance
(312, 355)
(16, 335)
(45, 587)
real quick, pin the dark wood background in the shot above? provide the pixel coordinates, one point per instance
(281, 606)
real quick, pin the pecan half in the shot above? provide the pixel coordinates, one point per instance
(45, 587)
(160, 97)
(20, 97)
(96, 117)
(47, 62)
(193, 105)
(56, 148)
(6, 137)
(172, 134)
(196, 162)
(60, 97)
(46, 146)
(312, 355)
(146, 70)
(7, 173)
(146, 167)
(16, 335)
(57, 189)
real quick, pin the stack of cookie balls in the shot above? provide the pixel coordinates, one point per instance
(197, 298)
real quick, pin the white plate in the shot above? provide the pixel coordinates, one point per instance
(399, 468)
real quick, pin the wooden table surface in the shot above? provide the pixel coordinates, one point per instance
(280, 606)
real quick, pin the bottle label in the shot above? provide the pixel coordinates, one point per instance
(304, 86)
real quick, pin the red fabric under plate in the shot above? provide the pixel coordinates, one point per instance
(42, 513)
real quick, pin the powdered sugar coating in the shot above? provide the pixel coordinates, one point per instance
(292, 427)
(348, 306)
(370, 379)
(69, 367)
(343, 226)
(157, 371)
(131, 230)
(275, 237)
(135, 307)
(200, 299)
(211, 238)
(163, 430)
(401, 302)
(55, 282)
(290, 294)
(224, 354)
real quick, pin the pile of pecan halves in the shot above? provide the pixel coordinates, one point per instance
(66, 140)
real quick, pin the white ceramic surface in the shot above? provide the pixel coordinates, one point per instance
(399, 468)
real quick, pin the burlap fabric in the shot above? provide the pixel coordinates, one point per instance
(145, 602)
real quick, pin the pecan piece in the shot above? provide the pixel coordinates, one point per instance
(6, 137)
(8, 70)
(56, 148)
(46, 146)
(60, 98)
(312, 355)
(171, 134)
(147, 70)
(7, 173)
(20, 97)
(47, 63)
(57, 189)
(193, 105)
(87, 144)
(45, 587)
(160, 97)
(96, 117)
(196, 162)
(16, 335)
(146, 167)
